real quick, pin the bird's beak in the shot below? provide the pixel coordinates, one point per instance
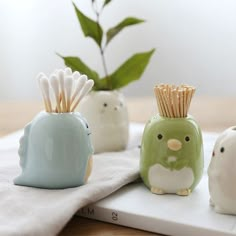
(174, 144)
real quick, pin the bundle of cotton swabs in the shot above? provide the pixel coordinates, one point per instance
(68, 89)
(173, 101)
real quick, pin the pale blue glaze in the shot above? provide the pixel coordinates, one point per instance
(54, 151)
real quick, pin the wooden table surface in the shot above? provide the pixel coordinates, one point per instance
(212, 113)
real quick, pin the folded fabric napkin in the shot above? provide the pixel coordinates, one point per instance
(32, 211)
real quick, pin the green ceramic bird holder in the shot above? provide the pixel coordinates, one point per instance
(172, 149)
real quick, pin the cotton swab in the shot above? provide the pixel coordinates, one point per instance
(39, 78)
(60, 75)
(80, 84)
(45, 89)
(55, 86)
(76, 75)
(87, 87)
(40, 75)
(68, 71)
(68, 89)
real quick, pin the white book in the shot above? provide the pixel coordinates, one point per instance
(135, 206)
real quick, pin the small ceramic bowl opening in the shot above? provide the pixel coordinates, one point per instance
(61, 113)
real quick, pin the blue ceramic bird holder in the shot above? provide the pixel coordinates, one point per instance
(55, 150)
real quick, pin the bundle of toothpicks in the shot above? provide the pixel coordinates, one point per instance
(68, 89)
(173, 101)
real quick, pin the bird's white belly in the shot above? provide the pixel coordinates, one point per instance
(170, 180)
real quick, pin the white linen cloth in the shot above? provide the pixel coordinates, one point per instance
(32, 211)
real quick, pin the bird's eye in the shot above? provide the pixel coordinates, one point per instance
(222, 149)
(105, 104)
(187, 139)
(160, 136)
(87, 125)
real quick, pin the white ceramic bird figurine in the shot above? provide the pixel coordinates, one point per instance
(222, 173)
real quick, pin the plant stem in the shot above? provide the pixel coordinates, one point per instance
(105, 69)
(102, 50)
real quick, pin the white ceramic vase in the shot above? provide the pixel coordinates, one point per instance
(107, 115)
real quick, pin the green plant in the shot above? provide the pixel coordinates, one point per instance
(130, 70)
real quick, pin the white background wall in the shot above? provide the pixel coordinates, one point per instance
(195, 43)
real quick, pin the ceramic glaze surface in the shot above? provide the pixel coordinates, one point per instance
(55, 151)
(163, 178)
(171, 155)
(107, 115)
(222, 173)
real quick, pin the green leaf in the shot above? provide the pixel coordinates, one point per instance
(89, 27)
(130, 70)
(76, 64)
(102, 85)
(112, 32)
(106, 2)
